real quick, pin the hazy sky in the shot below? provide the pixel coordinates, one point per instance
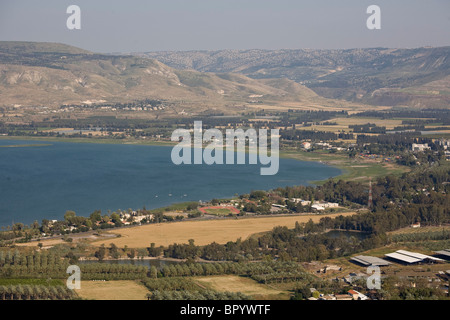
(154, 25)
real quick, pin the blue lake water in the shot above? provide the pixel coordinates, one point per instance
(42, 182)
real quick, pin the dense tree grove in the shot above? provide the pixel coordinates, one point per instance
(367, 128)
(32, 265)
(220, 268)
(173, 282)
(400, 144)
(108, 271)
(35, 292)
(16, 264)
(437, 115)
(422, 236)
(394, 288)
(313, 135)
(196, 295)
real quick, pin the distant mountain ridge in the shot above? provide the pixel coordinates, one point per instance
(377, 76)
(55, 74)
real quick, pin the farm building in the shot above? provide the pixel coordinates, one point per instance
(328, 204)
(317, 207)
(306, 145)
(357, 295)
(444, 253)
(444, 275)
(407, 257)
(420, 147)
(370, 261)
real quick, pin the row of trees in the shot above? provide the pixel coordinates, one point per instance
(314, 135)
(97, 271)
(421, 236)
(108, 271)
(30, 259)
(196, 295)
(367, 128)
(35, 292)
(51, 264)
(236, 268)
(438, 114)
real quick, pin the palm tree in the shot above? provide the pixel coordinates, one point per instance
(10, 292)
(36, 292)
(3, 292)
(26, 292)
(45, 293)
(53, 293)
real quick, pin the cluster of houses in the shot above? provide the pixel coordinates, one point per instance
(323, 145)
(438, 280)
(318, 206)
(350, 295)
(134, 217)
(416, 147)
(446, 145)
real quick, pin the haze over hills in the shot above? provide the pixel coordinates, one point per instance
(55, 74)
(412, 77)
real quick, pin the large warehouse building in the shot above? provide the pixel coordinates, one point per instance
(407, 257)
(370, 261)
(444, 253)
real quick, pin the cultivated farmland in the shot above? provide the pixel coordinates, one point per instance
(205, 231)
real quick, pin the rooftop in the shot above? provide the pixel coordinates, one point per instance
(411, 257)
(370, 261)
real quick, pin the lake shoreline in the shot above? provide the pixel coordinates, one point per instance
(282, 154)
(300, 179)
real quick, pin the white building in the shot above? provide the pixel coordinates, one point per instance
(317, 207)
(328, 204)
(140, 218)
(420, 147)
(445, 143)
(306, 145)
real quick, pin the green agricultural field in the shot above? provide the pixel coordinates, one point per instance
(182, 206)
(218, 212)
(353, 169)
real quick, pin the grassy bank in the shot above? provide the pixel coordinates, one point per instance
(352, 169)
